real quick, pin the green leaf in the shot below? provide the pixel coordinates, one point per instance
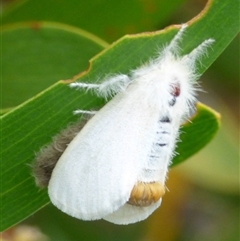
(30, 126)
(218, 163)
(196, 133)
(36, 55)
(107, 19)
(17, 186)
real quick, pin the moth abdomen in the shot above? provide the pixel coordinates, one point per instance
(144, 194)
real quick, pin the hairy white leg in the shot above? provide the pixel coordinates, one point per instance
(108, 87)
(87, 112)
(84, 85)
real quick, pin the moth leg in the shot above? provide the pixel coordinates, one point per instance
(85, 112)
(109, 87)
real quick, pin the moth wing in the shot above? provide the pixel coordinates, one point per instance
(95, 175)
(131, 214)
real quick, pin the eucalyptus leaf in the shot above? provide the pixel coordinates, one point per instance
(36, 55)
(31, 125)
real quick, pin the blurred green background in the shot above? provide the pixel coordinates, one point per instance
(203, 201)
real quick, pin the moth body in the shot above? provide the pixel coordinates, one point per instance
(116, 167)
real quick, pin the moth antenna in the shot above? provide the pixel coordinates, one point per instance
(173, 46)
(198, 51)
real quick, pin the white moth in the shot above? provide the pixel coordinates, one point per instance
(115, 168)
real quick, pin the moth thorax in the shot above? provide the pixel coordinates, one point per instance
(144, 194)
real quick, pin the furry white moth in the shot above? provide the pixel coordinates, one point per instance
(115, 168)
